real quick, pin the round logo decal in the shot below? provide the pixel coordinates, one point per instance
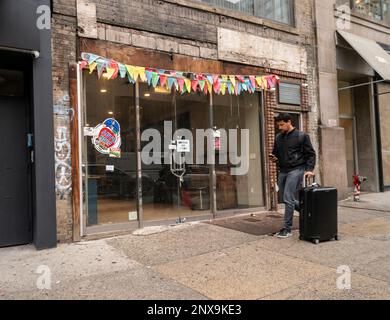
(107, 138)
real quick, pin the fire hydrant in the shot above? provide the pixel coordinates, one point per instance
(357, 182)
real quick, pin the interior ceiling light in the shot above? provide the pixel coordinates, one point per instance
(162, 90)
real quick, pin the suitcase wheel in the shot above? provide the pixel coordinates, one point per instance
(301, 238)
(316, 241)
(336, 238)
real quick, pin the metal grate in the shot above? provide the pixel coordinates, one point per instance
(290, 93)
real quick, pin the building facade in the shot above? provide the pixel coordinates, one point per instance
(331, 58)
(354, 70)
(101, 194)
(27, 187)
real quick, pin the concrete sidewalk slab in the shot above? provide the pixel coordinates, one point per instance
(370, 201)
(243, 272)
(136, 284)
(367, 228)
(202, 261)
(179, 243)
(362, 288)
(348, 215)
(351, 251)
(66, 262)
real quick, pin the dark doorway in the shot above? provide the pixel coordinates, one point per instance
(15, 156)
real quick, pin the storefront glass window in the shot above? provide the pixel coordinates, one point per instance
(375, 9)
(172, 190)
(109, 182)
(244, 190)
(277, 10)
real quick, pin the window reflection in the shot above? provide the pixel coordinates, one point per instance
(375, 9)
(277, 10)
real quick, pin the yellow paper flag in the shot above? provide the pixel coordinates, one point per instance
(130, 70)
(223, 88)
(259, 82)
(136, 73)
(233, 80)
(265, 83)
(110, 72)
(188, 84)
(210, 87)
(142, 74)
(92, 67)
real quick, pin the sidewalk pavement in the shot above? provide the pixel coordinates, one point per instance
(203, 261)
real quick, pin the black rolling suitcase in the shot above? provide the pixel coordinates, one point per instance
(318, 218)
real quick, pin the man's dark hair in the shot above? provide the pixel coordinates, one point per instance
(285, 117)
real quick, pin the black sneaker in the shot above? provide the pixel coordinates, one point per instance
(284, 234)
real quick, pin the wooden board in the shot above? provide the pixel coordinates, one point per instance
(76, 174)
(155, 59)
(254, 50)
(86, 19)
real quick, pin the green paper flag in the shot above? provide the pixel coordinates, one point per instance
(155, 79)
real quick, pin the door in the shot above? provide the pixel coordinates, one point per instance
(109, 154)
(15, 183)
(168, 116)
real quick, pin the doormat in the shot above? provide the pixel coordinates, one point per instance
(258, 225)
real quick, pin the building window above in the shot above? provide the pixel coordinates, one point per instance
(276, 10)
(376, 9)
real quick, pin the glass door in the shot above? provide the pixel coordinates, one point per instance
(109, 155)
(165, 117)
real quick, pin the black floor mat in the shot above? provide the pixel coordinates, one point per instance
(258, 225)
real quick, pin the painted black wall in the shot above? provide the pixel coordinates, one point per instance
(18, 29)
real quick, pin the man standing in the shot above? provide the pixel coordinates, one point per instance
(296, 159)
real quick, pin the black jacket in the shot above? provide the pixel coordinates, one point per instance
(294, 150)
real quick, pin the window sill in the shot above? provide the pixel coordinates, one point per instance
(236, 15)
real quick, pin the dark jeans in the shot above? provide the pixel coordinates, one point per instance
(289, 184)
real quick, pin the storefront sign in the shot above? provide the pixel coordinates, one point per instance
(110, 168)
(107, 138)
(184, 146)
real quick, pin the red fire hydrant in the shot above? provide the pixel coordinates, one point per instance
(357, 182)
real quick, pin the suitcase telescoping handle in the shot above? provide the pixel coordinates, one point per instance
(307, 179)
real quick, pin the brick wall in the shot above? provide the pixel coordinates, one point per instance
(64, 51)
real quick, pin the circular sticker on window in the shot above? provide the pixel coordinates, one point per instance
(107, 138)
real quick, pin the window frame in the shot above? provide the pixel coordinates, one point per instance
(300, 93)
(367, 16)
(292, 9)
